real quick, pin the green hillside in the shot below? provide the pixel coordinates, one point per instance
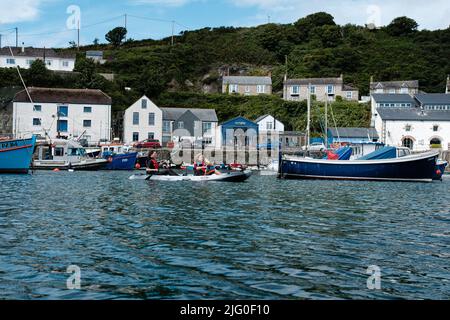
(314, 46)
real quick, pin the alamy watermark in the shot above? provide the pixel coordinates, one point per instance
(74, 281)
(73, 22)
(374, 280)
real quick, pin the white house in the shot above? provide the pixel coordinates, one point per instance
(142, 120)
(72, 113)
(269, 128)
(414, 128)
(25, 56)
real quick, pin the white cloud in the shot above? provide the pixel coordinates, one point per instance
(167, 3)
(429, 14)
(19, 11)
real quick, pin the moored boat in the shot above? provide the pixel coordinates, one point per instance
(16, 155)
(118, 158)
(66, 155)
(414, 168)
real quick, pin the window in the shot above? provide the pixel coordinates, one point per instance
(349, 95)
(247, 89)
(436, 128)
(408, 143)
(30, 61)
(181, 125)
(233, 88)
(391, 91)
(312, 89)
(65, 64)
(379, 91)
(404, 90)
(63, 111)
(436, 143)
(151, 119)
(295, 90)
(151, 136)
(135, 136)
(62, 125)
(36, 122)
(59, 151)
(135, 118)
(261, 89)
(144, 103)
(87, 109)
(330, 89)
(37, 108)
(10, 61)
(48, 62)
(207, 127)
(166, 126)
(269, 125)
(87, 123)
(408, 128)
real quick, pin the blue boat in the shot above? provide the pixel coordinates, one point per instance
(16, 155)
(414, 168)
(118, 159)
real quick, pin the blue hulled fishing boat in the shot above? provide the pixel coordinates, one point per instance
(415, 168)
(16, 155)
(119, 158)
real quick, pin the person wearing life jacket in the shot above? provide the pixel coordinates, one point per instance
(153, 165)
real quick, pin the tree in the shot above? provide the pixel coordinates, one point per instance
(96, 42)
(72, 44)
(38, 75)
(402, 26)
(88, 77)
(116, 36)
(305, 25)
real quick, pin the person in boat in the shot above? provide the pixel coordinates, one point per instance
(202, 166)
(153, 164)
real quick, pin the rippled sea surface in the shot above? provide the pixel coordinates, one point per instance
(263, 239)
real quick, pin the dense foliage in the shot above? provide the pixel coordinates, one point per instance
(313, 46)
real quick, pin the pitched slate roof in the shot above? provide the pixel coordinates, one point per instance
(346, 87)
(245, 80)
(413, 114)
(262, 118)
(393, 98)
(36, 53)
(73, 96)
(173, 114)
(314, 81)
(433, 98)
(395, 84)
(354, 132)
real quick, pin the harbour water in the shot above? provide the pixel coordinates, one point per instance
(263, 239)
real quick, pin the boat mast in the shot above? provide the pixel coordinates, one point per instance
(326, 122)
(308, 126)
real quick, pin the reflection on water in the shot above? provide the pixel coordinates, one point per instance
(264, 239)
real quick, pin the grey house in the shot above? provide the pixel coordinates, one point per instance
(244, 85)
(410, 87)
(433, 101)
(189, 124)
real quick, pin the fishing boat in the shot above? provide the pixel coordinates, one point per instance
(65, 155)
(231, 176)
(413, 168)
(118, 157)
(16, 155)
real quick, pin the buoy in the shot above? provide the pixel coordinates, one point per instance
(110, 159)
(438, 172)
(56, 170)
(138, 166)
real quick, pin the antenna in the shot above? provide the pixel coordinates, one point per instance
(20, 75)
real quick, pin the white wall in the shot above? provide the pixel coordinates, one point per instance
(143, 128)
(24, 113)
(55, 64)
(421, 133)
(277, 125)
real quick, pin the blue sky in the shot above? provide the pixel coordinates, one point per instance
(44, 22)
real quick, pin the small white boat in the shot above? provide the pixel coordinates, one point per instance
(232, 176)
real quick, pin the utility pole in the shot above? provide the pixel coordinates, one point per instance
(126, 18)
(17, 37)
(268, 19)
(0, 41)
(78, 43)
(173, 31)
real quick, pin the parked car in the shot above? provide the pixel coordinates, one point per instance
(148, 144)
(317, 146)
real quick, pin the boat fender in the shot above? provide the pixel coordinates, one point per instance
(110, 159)
(438, 172)
(138, 166)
